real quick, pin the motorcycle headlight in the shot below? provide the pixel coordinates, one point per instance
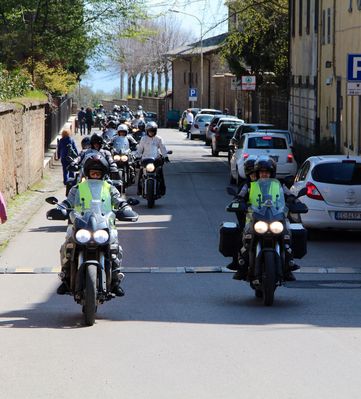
(276, 227)
(82, 236)
(261, 227)
(101, 236)
(150, 167)
(124, 158)
(117, 158)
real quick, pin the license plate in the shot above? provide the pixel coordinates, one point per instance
(348, 215)
(274, 157)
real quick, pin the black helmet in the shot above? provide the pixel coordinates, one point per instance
(151, 127)
(85, 143)
(112, 124)
(96, 139)
(266, 163)
(249, 165)
(95, 162)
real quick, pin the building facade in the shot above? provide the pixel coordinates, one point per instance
(322, 35)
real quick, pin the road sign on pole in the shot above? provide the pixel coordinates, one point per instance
(354, 74)
(248, 82)
(192, 94)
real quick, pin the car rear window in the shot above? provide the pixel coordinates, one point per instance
(204, 118)
(347, 173)
(268, 142)
(228, 127)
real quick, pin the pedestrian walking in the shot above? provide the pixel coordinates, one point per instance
(190, 119)
(89, 119)
(3, 212)
(81, 121)
(66, 151)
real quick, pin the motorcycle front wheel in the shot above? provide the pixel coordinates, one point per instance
(269, 278)
(90, 295)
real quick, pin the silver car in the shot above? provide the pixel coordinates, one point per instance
(200, 124)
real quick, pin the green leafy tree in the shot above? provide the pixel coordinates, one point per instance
(258, 42)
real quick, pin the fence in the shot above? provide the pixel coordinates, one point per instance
(57, 115)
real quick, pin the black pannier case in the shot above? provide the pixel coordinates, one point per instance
(229, 238)
(298, 240)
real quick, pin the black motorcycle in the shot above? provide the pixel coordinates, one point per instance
(150, 175)
(90, 249)
(267, 239)
(124, 159)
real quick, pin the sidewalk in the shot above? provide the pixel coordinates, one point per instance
(25, 205)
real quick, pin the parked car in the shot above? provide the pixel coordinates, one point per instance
(222, 134)
(274, 145)
(333, 198)
(210, 111)
(245, 128)
(151, 117)
(213, 123)
(182, 124)
(198, 129)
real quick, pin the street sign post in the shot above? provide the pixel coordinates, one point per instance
(354, 74)
(192, 94)
(248, 82)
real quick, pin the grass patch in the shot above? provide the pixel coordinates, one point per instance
(36, 95)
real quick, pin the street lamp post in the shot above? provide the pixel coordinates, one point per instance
(201, 42)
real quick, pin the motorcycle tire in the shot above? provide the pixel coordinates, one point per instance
(90, 295)
(269, 279)
(150, 193)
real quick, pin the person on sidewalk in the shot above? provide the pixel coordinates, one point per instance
(81, 121)
(89, 120)
(3, 211)
(190, 120)
(66, 150)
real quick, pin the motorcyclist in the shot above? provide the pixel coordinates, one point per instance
(251, 176)
(117, 142)
(151, 146)
(135, 122)
(110, 131)
(141, 112)
(79, 198)
(265, 167)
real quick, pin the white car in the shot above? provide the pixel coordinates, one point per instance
(275, 145)
(199, 126)
(333, 198)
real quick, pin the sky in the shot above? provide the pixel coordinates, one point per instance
(209, 12)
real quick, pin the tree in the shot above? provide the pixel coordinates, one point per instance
(259, 40)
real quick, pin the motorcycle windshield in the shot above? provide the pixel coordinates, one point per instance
(121, 145)
(271, 198)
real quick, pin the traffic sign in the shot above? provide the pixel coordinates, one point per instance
(248, 82)
(354, 88)
(354, 67)
(192, 94)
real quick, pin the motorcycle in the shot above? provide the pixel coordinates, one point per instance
(92, 245)
(150, 172)
(124, 159)
(269, 240)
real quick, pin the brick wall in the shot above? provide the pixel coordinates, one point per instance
(21, 146)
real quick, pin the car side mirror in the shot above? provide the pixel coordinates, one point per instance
(288, 181)
(302, 192)
(206, 124)
(170, 152)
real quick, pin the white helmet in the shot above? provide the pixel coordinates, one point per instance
(123, 128)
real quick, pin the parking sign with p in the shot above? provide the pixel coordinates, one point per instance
(192, 94)
(354, 74)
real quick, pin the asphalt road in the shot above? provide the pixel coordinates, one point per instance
(177, 334)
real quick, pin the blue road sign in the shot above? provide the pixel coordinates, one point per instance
(354, 67)
(192, 94)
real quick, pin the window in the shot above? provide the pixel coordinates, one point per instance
(300, 19)
(329, 25)
(316, 17)
(346, 172)
(267, 142)
(302, 173)
(293, 22)
(323, 37)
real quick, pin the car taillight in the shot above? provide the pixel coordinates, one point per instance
(312, 192)
(245, 155)
(289, 158)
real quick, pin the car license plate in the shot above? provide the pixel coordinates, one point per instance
(274, 157)
(344, 215)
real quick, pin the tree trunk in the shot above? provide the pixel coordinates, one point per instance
(121, 91)
(140, 84)
(146, 84)
(129, 85)
(152, 83)
(166, 77)
(159, 73)
(134, 86)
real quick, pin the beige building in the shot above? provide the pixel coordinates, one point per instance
(323, 34)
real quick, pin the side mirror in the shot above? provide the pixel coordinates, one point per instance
(132, 201)
(302, 192)
(51, 200)
(170, 152)
(231, 191)
(206, 124)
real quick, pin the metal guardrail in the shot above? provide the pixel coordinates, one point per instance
(55, 118)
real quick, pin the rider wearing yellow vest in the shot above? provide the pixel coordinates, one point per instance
(94, 192)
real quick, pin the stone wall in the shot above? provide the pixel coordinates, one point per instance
(22, 132)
